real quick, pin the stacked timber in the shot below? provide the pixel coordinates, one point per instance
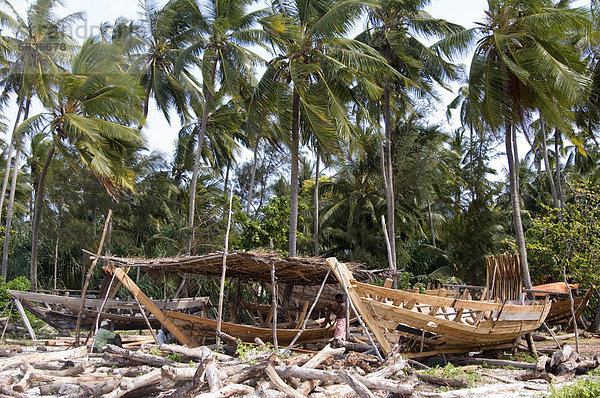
(504, 277)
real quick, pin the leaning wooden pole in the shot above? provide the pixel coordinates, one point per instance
(224, 268)
(89, 276)
(274, 304)
(389, 252)
(312, 307)
(98, 316)
(572, 309)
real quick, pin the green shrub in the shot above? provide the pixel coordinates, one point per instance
(588, 388)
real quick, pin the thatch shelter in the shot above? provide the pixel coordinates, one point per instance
(245, 265)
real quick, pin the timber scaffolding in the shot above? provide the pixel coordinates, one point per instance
(252, 266)
(420, 324)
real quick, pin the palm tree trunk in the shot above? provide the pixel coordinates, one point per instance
(11, 194)
(146, 102)
(226, 184)
(37, 216)
(9, 157)
(557, 152)
(294, 173)
(555, 201)
(389, 187)
(316, 220)
(431, 225)
(252, 177)
(194, 182)
(515, 201)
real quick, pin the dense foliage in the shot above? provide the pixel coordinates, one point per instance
(323, 139)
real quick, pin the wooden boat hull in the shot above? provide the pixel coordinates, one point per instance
(200, 329)
(424, 322)
(60, 312)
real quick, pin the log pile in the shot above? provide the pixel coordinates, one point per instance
(202, 372)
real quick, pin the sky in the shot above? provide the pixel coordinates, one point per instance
(158, 133)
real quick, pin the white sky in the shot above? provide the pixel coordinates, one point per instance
(159, 134)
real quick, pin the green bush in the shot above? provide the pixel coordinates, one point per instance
(588, 388)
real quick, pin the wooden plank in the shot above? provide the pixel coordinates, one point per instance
(302, 315)
(345, 277)
(428, 300)
(149, 304)
(24, 317)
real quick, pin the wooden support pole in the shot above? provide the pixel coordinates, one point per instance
(149, 304)
(274, 305)
(307, 318)
(572, 309)
(389, 251)
(355, 302)
(98, 316)
(89, 276)
(224, 269)
(24, 317)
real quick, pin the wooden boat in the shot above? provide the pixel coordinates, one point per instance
(202, 331)
(428, 324)
(560, 311)
(60, 312)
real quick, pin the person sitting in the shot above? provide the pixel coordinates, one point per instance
(105, 336)
(339, 309)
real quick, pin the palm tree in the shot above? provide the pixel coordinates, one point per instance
(39, 48)
(221, 34)
(88, 114)
(524, 61)
(314, 67)
(395, 27)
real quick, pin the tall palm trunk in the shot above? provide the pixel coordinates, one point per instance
(252, 178)
(557, 152)
(37, 216)
(555, 201)
(294, 173)
(389, 186)
(146, 105)
(9, 157)
(431, 224)
(316, 221)
(511, 151)
(13, 188)
(194, 182)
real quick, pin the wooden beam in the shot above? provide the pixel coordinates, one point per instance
(24, 317)
(149, 304)
(345, 278)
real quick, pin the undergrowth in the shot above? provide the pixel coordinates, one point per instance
(587, 388)
(452, 372)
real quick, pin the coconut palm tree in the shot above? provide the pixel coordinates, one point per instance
(313, 68)
(524, 61)
(222, 30)
(394, 29)
(39, 48)
(88, 112)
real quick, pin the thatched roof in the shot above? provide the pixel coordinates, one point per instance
(246, 265)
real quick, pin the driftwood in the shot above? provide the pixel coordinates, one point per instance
(195, 353)
(197, 383)
(140, 357)
(41, 357)
(443, 381)
(249, 373)
(327, 352)
(228, 391)
(493, 362)
(543, 337)
(7, 391)
(23, 384)
(279, 383)
(359, 388)
(135, 384)
(334, 377)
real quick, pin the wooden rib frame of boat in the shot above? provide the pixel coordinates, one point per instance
(436, 324)
(60, 312)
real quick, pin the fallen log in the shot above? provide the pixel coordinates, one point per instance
(265, 393)
(197, 383)
(212, 377)
(358, 347)
(228, 391)
(549, 377)
(323, 355)
(249, 373)
(23, 384)
(493, 362)
(333, 377)
(7, 391)
(353, 382)
(280, 384)
(543, 337)
(442, 381)
(148, 359)
(43, 357)
(196, 353)
(135, 384)
(334, 391)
